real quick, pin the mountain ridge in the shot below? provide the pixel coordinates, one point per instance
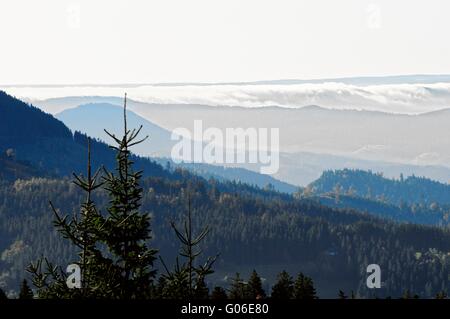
(410, 190)
(251, 228)
(381, 79)
(91, 118)
(80, 100)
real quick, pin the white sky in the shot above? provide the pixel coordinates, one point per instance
(136, 41)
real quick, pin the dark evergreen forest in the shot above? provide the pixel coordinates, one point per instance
(253, 234)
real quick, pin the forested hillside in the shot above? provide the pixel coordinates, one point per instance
(251, 228)
(46, 143)
(367, 184)
(250, 231)
(413, 199)
(436, 214)
(12, 169)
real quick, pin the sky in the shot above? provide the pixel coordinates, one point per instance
(141, 41)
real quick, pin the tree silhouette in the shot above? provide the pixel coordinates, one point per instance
(84, 232)
(123, 268)
(342, 295)
(25, 291)
(284, 287)
(126, 230)
(237, 288)
(3, 295)
(254, 288)
(188, 272)
(304, 287)
(219, 293)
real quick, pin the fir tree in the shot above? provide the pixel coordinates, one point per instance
(127, 230)
(237, 289)
(407, 295)
(310, 290)
(201, 290)
(304, 288)
(193, 275)
(254, 288)
(84, 232)
(158, 292)
(3, 295)
(124, 267)
(342, 295)
(219, 293)
(176, 282)
(441, 295)
(284, 287)
(25, 291)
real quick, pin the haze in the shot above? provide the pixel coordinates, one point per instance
(67, 41)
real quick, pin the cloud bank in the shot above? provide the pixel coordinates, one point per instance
(394, 98)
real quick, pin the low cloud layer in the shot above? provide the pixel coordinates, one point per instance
(395, 98)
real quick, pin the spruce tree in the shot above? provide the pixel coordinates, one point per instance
(201, 290)
(3, 295)
(189, 277)
(25, 291)
(254, 288)
(406, 294)
(304, 288)
(123, 267)
(310, 290)
(84, 232)
(237, 289)
(284, 287)
(441, 295)
(219, 293)
(159, 288)
(126, 229)
(342, 295)
(175, 282)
